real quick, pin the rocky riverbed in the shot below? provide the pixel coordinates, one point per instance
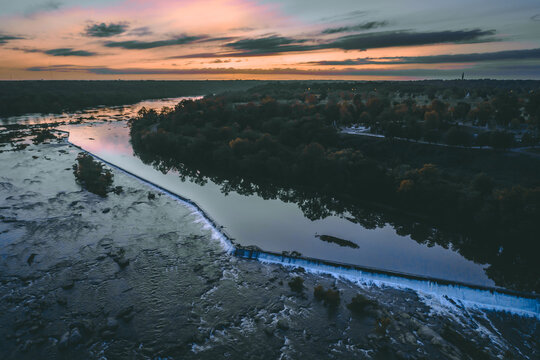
(137, 275)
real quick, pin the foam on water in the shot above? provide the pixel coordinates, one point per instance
(467, 296)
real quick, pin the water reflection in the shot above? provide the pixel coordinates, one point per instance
(102, 113)
(278, 219)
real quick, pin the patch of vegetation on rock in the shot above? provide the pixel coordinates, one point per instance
(42, 136)
(382, 325)
(297, 284)
(92, 175)
(359, 304)
(329, 297)
(463, 344)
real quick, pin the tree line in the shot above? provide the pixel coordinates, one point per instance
(23, 97)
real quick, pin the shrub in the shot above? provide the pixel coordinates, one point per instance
(319, 292)
(90, 174)
(359, 303)
(43, 135)
(297, 284)
(329, 297)
(332, 297)
(382, 325)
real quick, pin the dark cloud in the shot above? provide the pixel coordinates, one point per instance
(474, 57)
(274, 44)
(43, 7)
(141, 31)
(406, 38)
(105, 30)
(140, 45)
(27, 50)
(61, 68)
(438, 59)
(348, 62)
(58, 52)
(5, 38)
(535, 17)
(212, 39)
(347, 16)
(364, 26)
(208, 55)
(67, 52)
(270, 44)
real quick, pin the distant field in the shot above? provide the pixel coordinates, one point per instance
(23, 97)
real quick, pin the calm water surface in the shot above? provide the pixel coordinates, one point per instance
(272, 225)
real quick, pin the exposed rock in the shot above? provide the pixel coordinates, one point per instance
(283, 324)
(64, 341)
(126, 313)
(404, 315)
(122, 262)
(410, 338)
(68, 284)
(61, 300)
(112, 323)
(427, 333)
(107, 334)
(437, 341)
(75, 337)
(198, 268)
(118, 255)
(269, 330)
(27, 345)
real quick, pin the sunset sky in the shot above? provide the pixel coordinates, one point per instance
(269, 39)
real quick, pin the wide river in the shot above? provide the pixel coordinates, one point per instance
(272, 225)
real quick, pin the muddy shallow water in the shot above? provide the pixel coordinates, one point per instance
(131, 276)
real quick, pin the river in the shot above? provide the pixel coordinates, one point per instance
(270, 224)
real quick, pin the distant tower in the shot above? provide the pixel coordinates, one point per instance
(463, 76)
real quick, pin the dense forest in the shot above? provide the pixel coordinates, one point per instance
(23, 97)
(296, 145)
(499, 114)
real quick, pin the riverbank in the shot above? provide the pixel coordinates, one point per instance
(141, 276)
(23, 97)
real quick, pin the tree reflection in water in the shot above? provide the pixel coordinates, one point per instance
(317, 205)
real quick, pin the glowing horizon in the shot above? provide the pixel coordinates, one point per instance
(249, 39)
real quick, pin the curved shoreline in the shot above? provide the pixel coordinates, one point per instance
(485, 297)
